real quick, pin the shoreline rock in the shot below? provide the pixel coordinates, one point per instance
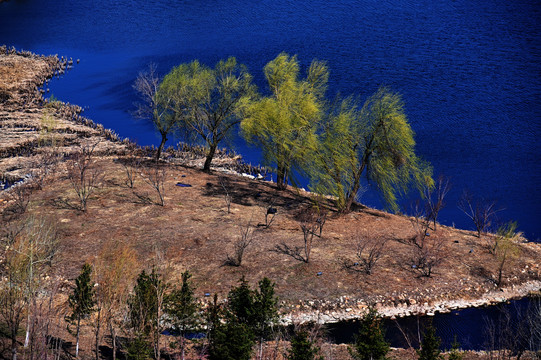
(431, 308)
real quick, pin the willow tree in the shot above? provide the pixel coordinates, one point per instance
(284, 124)
(204, 102)
(375, 141)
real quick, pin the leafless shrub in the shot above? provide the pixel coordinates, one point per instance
(514, 331)
(131, 167)
(46, 166)
(83, 175)
(19, 197)
(428, 254)
(421, 224)
(155, 177)
(246, 239)
(369, 251)
(314, 218)
(434, 198)
(480, 211)
(301, 253)
(224, 183)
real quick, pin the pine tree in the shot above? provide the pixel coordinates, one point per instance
(183, 310)
(145, 308)
(231, 341)
(240, 303)
(265, 313)
(302, 348)
(430, 346)
(81, 302)
(247, 314)
(370, 343)
(455, 353)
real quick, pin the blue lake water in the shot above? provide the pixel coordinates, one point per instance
(469, 71)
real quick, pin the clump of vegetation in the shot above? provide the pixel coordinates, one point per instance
(370, 343)
(303, 347)
(430, 345)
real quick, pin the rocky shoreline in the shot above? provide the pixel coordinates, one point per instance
(350, 309)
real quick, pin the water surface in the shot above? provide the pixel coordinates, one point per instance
(469, 71)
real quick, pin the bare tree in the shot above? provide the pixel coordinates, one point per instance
(246, 239)
(369, 251)
(155, 177)
(428, 256)
(480, 211)
(315, 218)
(19, 198)
(13, 299)
(420, 222)
(301, 253)
(83, 175)
(434, 197)
(514, 330)
(155, 105)
(270, 213)
(42, 314)
(224, 183)
(427, 248)
(28, 248)
(131, 167)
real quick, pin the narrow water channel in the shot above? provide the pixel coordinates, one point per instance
(472, 327)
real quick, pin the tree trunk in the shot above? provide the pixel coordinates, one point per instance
(261, 348)
(210, 156)
(182, 346)
(77, 337)
(113, 339)
(14, 345)
(352, 195)
(356, 186)
(98, 325)
(281, 177)
(160, 148)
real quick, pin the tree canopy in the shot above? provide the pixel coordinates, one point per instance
(284, 124)
(204, 102)
(375, 141)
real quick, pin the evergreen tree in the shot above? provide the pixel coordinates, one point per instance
(240, 303)
(139, 349)
(430, 346)
(265, 313)
(231, 341)
(145, 306)
(81, 302)
(455, 353)
(302, 348)
(370, 343)
(183, 310)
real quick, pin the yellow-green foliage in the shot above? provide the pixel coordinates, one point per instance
(204, 102)
(47, 135)
(505, 248)
(284, 124)
(375, 141)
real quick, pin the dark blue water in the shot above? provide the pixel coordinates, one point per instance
(471, 327)
(469, 71)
